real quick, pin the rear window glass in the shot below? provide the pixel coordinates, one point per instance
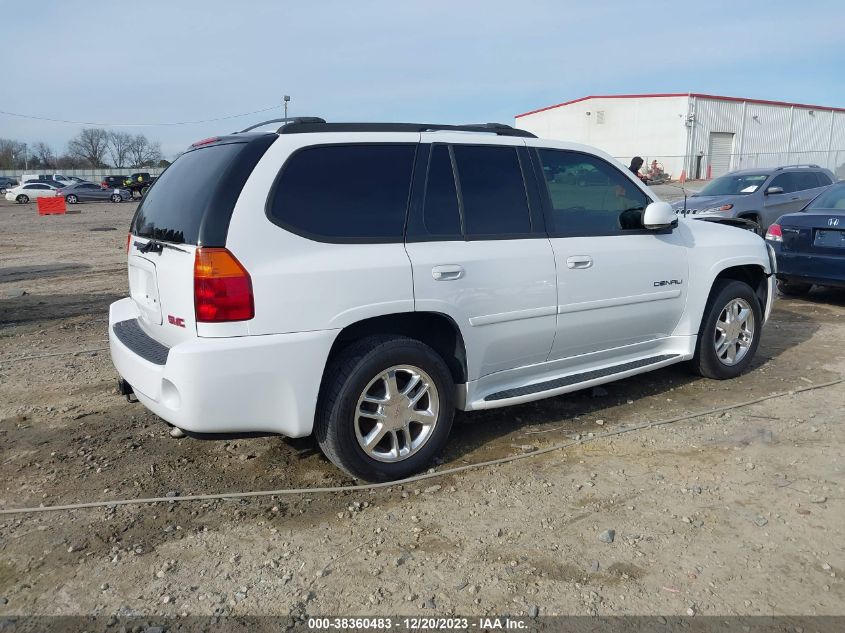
(345, 193)
(174, 207)
(833, 198)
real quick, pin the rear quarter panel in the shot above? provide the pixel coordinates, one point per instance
(304, 285)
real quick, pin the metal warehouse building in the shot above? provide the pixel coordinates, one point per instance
(697, 135)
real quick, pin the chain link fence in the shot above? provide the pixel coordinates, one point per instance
(666, 168)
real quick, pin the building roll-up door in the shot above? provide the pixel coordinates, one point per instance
(721, 148)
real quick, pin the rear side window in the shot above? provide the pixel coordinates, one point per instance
(345, 193)
(192, 201)
(492, 190)
(824, 179)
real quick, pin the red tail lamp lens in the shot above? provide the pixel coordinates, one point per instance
(222, 287)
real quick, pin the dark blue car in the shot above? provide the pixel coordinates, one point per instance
(810, 244)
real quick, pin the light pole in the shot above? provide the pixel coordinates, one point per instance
(286, 100)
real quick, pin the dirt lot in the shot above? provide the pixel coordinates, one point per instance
(736, 513)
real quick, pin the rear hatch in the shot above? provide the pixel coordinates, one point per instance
(189, 206)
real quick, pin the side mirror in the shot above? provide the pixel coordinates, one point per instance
(772, 190)
(659, 215)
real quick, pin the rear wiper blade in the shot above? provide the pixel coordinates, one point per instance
(154, 246)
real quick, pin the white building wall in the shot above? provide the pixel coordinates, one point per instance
(651, 127)
(765, 134)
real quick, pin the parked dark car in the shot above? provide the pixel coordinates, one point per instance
(83, 191)
(810, 244)
(7, 183)
(113, 182)
(138, 183)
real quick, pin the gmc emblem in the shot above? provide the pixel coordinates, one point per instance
(177, 321)
(833, 221)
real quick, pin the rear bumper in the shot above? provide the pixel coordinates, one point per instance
(226, 385)
(825, 270)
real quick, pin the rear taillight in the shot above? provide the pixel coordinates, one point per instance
(128, 242)
(774, 234)
(222, 287)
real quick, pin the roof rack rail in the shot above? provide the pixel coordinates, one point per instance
(808, 165)
(288, 121)
(306, 125)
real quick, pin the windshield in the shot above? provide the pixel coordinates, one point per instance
(734, 185)
(833, 199)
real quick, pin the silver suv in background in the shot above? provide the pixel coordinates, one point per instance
(759, 195)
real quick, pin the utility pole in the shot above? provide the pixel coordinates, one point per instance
(286, 100)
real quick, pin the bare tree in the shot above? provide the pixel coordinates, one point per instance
(144, 153)
(44, 153)
(120, 144)
(68, 161)
(11, 154)
(91, 145)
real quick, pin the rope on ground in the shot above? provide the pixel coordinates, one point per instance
(422, 477)
(71, 351)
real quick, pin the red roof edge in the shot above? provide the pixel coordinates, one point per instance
(684, 94)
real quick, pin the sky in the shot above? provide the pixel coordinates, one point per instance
(424, 61)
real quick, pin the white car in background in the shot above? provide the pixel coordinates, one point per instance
(30, 191)
(65, 180)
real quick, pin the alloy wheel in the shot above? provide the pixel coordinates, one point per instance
(396, 413)
(734, 331)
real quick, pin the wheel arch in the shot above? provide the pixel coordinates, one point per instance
(437, 330)
(752, 274)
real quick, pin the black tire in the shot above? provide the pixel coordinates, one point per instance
(706, 362)
(793, 288)
(71, 199)
(346, 378)
(117, 198)
(22, 199)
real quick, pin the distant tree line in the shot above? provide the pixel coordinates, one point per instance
(91, 148)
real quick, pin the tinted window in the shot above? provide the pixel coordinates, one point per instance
(492, 190)
(440, 216)
(345, 192)
(589, 196)
(805, 180)
(824, 179)
(174, 208)
(785, 181)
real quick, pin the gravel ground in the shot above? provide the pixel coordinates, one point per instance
(734, 513)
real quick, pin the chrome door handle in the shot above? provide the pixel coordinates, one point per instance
(579, 261)
(447, 272)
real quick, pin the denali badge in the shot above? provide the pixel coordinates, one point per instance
(669, 282)
(178, 321)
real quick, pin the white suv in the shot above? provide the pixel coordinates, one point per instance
(362, 281)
